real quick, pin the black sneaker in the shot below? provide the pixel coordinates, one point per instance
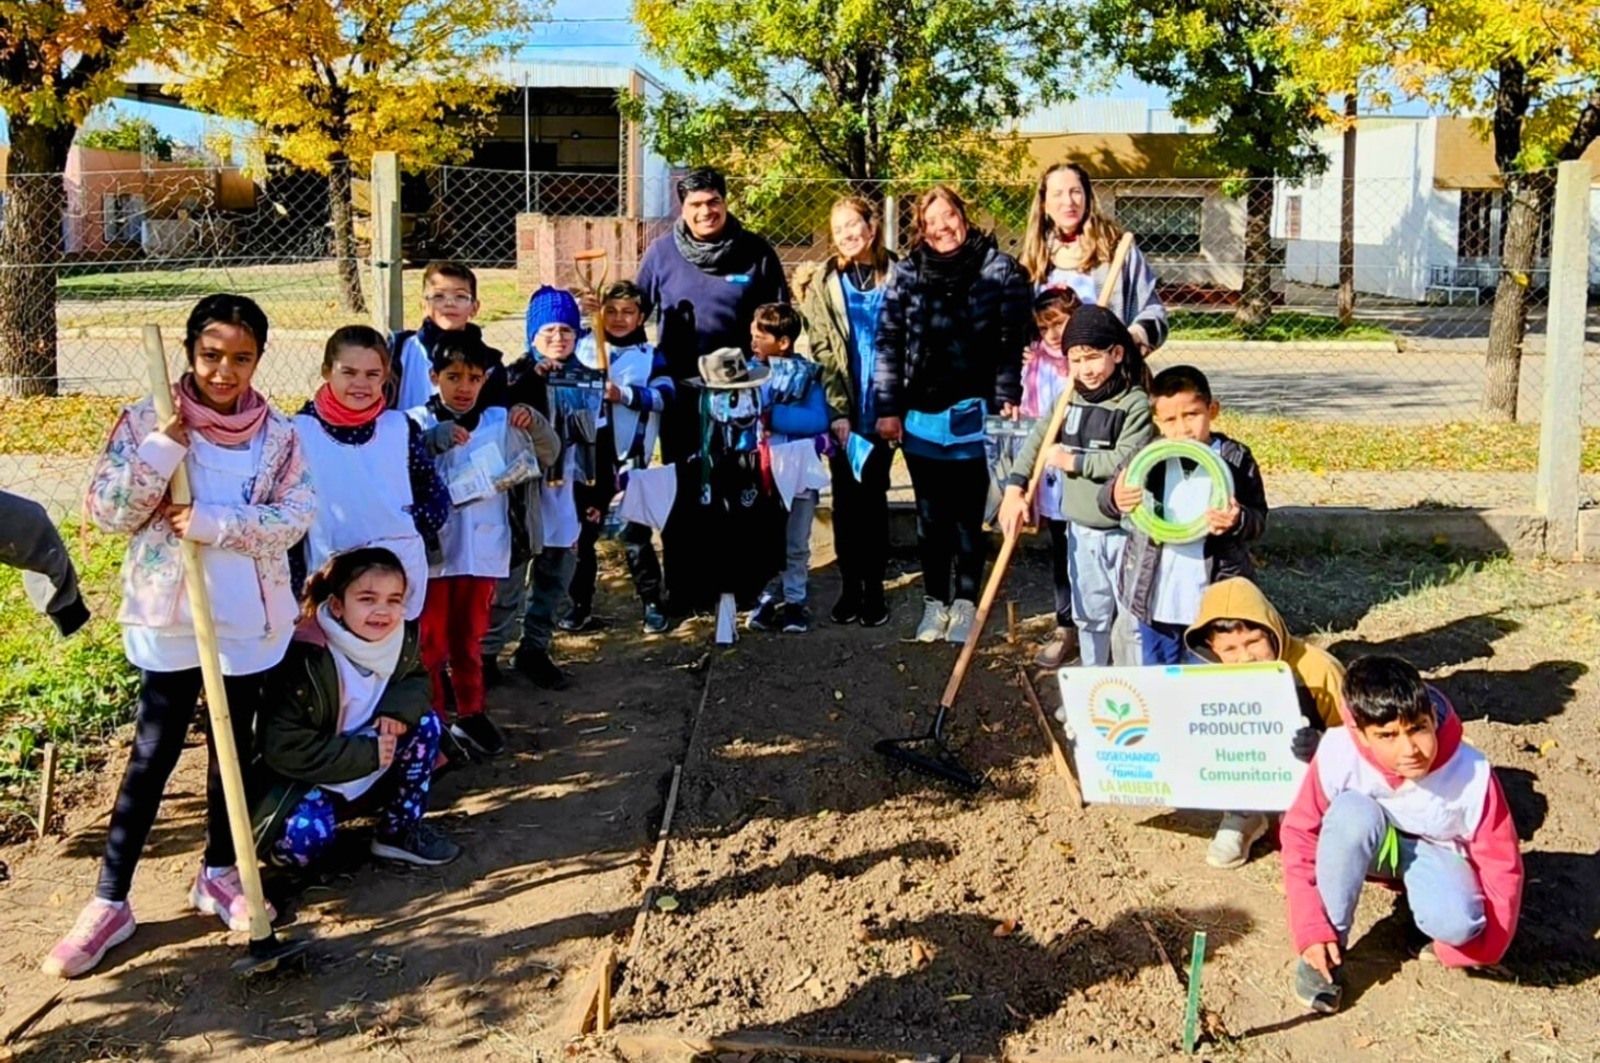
(655, 621)
(492, 676)
(421, 845)
(1320, 994)
(794, 618)
(479, 734)
(764, 617)
(537, 666)
(874, 612)
(847, 610)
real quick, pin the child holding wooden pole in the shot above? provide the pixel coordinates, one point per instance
(253, 499)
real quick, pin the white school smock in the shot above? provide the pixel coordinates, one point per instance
(359, 692)
(246, 640)
(364, 498)
(416, 388)
(476, 540)
(629, 367)
(1181, 567)
(558, 507)
(1444, 806)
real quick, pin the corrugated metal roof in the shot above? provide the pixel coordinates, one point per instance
(550, 74)
(1106, 114)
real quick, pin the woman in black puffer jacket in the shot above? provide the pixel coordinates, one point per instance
(950, 338)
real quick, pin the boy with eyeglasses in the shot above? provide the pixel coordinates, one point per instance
(449, 303)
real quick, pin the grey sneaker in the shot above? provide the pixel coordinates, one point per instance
(1320, 994)
(963, 614)
(1060, 651)
(935, 620)
(422, 845)
(1238, 832)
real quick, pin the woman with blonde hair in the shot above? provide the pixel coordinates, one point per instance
(840, 308)
(1070, 244)
(956, 316)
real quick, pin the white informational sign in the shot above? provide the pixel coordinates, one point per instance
(1190, 736)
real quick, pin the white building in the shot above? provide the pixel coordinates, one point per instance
(1428, 217)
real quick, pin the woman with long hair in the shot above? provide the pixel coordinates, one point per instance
(1070, 244)
(841, 309)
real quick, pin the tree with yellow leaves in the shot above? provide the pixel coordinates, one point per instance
(330, 82)
(58, 60)
(1529, 69)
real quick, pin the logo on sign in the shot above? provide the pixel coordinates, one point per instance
(1118, 713)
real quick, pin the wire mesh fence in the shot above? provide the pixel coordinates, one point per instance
(1382, 407)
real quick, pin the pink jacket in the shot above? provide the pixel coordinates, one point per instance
(1491, 848)
(130, 481)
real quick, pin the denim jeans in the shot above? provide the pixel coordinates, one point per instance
(1441, 886)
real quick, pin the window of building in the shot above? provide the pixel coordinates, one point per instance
(1477, 223)
(1291, 218)
(123, 219)
(1166, 225)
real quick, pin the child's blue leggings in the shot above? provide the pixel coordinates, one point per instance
(309, 829)
(1441, 886)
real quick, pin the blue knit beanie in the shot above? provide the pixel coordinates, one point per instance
(551, 306)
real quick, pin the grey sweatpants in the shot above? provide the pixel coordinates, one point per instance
(1105, 632)
(525, 602)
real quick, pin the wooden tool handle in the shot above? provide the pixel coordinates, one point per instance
(1002, 561)
(1114, 274)
(205, 633)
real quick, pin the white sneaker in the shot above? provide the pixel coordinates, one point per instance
(935, 620)
(1231, 847)
(962, 615)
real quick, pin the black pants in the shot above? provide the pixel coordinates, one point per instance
(1060, 570)
(643, 565)
(951, 496)
(167, 701)
(861, 522)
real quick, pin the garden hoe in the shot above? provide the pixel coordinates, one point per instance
(267, 950)
(928, 753)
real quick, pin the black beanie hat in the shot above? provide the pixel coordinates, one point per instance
(1097, 327)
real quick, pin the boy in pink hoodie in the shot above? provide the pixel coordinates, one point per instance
(1396, 794)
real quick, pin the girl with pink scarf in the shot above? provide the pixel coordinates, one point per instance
(253, 499)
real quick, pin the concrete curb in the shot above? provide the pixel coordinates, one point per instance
(1330, 346)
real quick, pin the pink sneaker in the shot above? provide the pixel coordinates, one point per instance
(224, 898)
(99, 927)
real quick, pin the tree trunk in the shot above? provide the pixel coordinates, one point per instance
(1255, 299)
(341, 216)
(30, 255)
(1347, 217)
(1525, 197)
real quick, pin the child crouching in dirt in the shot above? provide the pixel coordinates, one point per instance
(1237, 625)
(348, 710)
(1396, 793)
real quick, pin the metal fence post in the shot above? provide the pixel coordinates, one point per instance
(388, 290)
(1560, 424)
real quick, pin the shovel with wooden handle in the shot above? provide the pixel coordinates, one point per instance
(267, 950)
(590, 262)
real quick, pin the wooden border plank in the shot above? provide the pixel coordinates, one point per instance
(1063, 765)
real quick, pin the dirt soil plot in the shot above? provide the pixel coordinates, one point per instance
(821, 896)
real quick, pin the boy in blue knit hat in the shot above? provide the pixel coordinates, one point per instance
(569, 395)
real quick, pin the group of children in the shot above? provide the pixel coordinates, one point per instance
(431, 499)
(1392, 792)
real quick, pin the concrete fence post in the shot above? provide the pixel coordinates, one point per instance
(388, 284)
(891, 223)
(1560, 424)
